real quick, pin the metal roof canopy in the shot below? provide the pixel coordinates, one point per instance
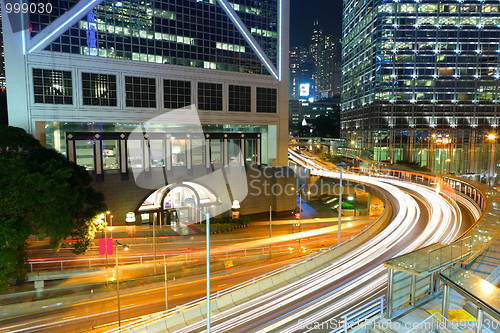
(478, 291)
(431, 258)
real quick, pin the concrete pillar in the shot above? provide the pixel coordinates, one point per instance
(390, 281)
(39, 285)
(413, 289)
(446, 301)
(431, 287)
(479, 321)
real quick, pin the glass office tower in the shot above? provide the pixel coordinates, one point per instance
(420, 81)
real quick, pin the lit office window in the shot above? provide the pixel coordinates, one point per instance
(187, 33)
(85, 154)
(178, 152)
(156, 150)
(110, 154)
(266, 100)
(216, 151)
(134, 148)
(52, 86)
(140, 92)
(198, 151)
(176, 94)
(240, 98)
(209, 96)
(99, 89)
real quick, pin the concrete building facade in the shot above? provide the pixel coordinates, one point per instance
(90, 71)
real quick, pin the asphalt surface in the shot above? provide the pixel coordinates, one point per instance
(101, 315)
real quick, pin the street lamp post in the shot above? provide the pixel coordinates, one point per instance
(126, 247)
(166, 291)
(270, 225)
(340, 165)
(106, 220)
(154, 244)
(191, 202)
(300, 211)
(355, 202)
(491, 179)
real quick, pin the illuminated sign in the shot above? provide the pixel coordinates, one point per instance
(304, 90)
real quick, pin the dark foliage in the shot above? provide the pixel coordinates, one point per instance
(44, 195)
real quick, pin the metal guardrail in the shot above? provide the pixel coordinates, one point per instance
(164, 314)
(365, 313)
(219, 293)
(435, 323)
(141, 259)
(448, 254)
(485, 231)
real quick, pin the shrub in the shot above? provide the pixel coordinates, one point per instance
(346, 205)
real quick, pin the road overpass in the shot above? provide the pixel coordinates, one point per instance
(424, 217)
(424, 203)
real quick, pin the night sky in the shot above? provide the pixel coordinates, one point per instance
(303, 13)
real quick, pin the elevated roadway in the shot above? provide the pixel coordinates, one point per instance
(316, 302)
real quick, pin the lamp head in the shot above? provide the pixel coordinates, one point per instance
(491, 136)
(190, 202)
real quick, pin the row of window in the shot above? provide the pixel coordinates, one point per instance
(433, 8)
(354, 27)
(189, 33)
(55, 87)
(179, 155)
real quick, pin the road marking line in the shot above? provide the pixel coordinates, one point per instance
(69, 317)
(220, 285)
(178, 295)
(126, 306)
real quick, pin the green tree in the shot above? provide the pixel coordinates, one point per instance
(44, 195)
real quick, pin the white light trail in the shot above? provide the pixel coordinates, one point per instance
(443, 225)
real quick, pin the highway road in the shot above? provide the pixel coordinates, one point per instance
(423, 217)
(101, 314)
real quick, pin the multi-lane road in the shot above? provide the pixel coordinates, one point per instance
(316, 301)
(422, 216)
(100, 314)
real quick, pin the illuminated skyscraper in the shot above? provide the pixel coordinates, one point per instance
(420, 80)
(325, 54)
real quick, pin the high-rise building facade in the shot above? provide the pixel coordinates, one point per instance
(420, 81)
(83, 76)
(325, 54)
(294, 72)
(2, 60)
(302, 74)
